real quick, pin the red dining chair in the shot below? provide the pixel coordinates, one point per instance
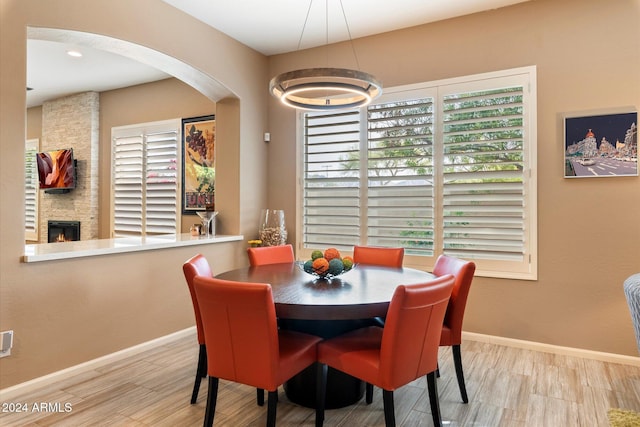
(390, 357)
(239, 321)
(463, 272)
(384, 257)
(270, 255)
(199, 266)
(374, 255)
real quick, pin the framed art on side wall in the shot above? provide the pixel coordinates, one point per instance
(601, 144)
(198, 164)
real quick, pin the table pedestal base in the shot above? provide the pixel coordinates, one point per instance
(342, 389)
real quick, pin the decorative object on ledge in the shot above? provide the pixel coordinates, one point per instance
(198, 164)
(208, 222)
(327, 264)
(272, 230)
(256, 243)
(323, 89)
(195, 229)
(601, 144)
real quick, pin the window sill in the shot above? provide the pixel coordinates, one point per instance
(88, 248)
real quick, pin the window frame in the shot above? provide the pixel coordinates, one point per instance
(526, 76)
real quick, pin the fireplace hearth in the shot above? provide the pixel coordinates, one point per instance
(63, 231)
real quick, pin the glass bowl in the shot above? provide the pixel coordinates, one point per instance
(326, 275)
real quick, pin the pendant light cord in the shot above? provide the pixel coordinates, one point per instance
(304, 26)
(326, 16)
(353, 48)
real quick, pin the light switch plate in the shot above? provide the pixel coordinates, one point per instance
(6, 342)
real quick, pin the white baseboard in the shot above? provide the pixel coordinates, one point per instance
(555, 349)
(52, 378)
(37, 383)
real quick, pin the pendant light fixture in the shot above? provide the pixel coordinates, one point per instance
(323, 89)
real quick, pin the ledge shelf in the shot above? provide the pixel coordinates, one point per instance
(87, 248)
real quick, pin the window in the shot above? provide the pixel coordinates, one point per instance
(438, 168)
(31, 190)
(145, 192)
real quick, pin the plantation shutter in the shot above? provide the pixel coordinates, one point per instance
(446, 167)
(128, 178)
(484, 197)
(145, 179)
(31, 190)
(331, 176)
(162, 183)
(400, 210)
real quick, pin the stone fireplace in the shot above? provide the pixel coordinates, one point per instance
(63, 231)
(72, 122)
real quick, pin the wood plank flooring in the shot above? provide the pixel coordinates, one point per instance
(507, 387)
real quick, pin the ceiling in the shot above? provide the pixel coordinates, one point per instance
(270, 27)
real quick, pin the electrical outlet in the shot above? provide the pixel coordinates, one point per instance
(6, 342)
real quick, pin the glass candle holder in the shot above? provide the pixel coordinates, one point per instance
(208, 218)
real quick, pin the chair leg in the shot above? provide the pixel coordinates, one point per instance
(438, 370)
(201, 372)
(321, 391)
(389, 411)
(457, 361)
(260, 396)
(369, 393)
(272, 405)
(212, 397)
(432, 386)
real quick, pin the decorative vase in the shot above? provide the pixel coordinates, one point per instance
(272, 230)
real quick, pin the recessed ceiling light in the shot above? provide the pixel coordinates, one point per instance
(74, 53)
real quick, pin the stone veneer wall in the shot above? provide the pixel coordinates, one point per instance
(73, 122)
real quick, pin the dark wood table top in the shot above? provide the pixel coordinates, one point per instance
(361, 293)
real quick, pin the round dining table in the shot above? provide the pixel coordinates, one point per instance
(328, 308)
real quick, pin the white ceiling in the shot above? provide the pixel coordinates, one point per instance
(270, 27)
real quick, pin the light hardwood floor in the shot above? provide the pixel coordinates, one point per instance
(507, 387)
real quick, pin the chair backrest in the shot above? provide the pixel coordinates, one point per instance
(463, 271)
(196, 266)
(411, 334)
(373, 255)
(271, 255)
(631, 288)
(239, 320)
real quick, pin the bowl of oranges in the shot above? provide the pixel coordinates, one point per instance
(327, 264)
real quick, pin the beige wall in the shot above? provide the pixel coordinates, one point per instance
(67, 312)
(587, 54)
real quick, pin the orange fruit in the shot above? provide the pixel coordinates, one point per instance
(331, 253)
(320, 265)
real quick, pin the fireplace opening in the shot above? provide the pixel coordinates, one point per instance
(63, 231)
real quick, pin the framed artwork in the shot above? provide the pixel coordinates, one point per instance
(601, 144)
(198, 164)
